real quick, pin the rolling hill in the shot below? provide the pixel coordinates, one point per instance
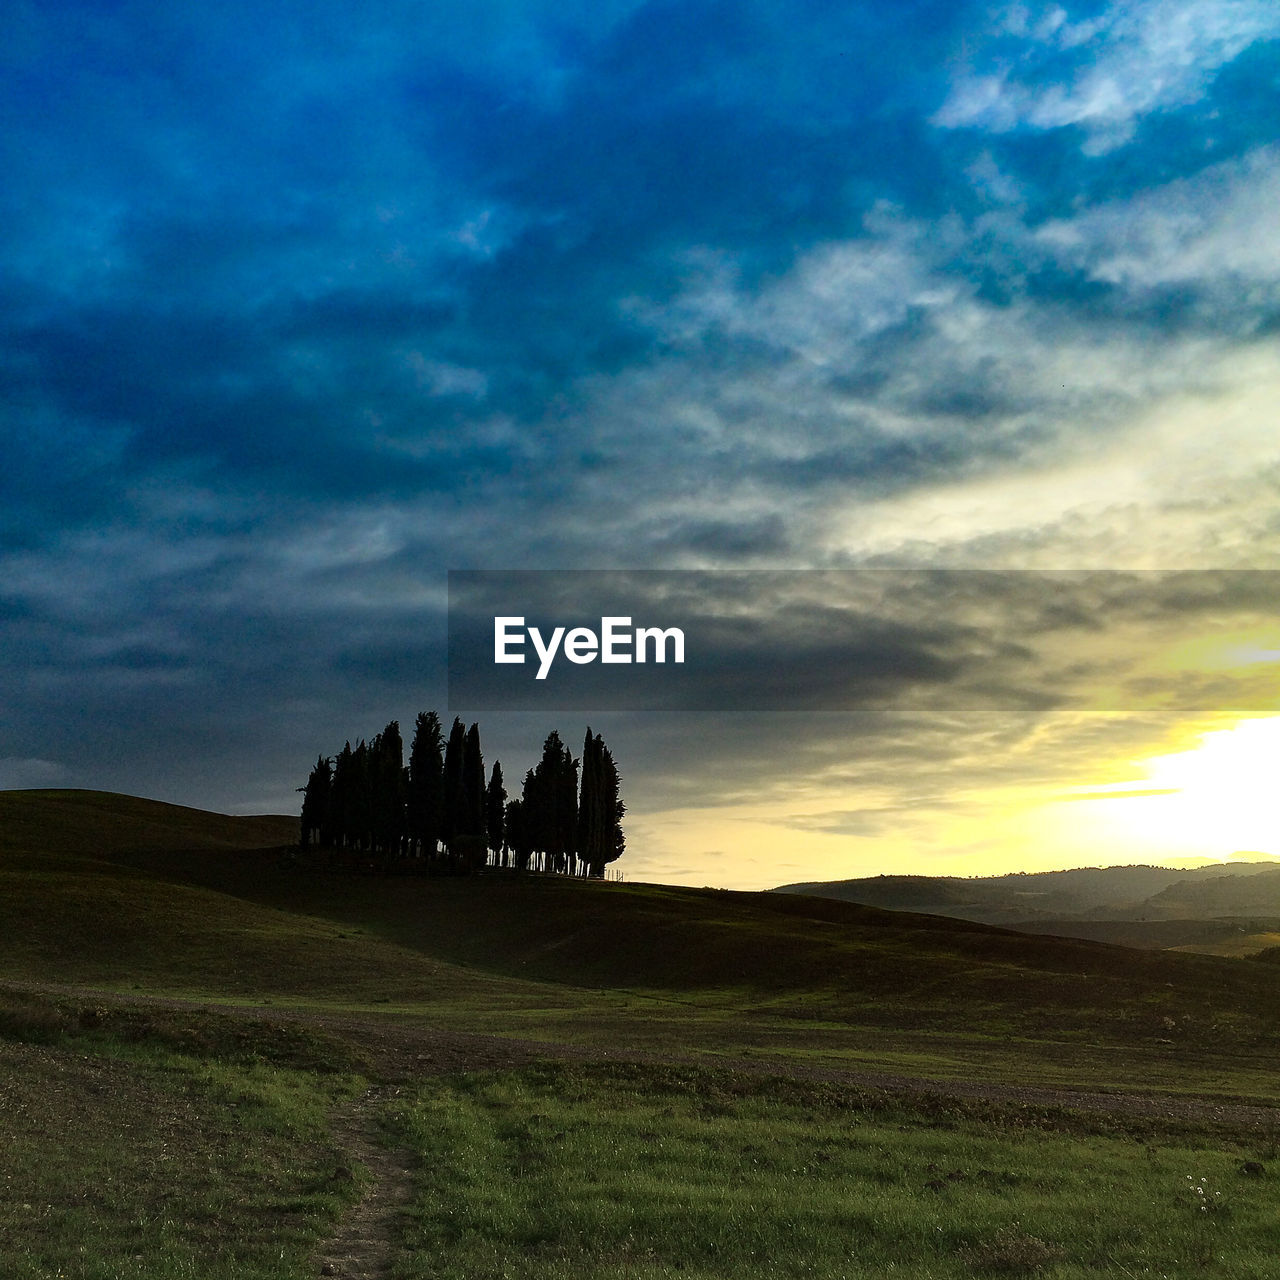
(132, 894)
(1210, 907)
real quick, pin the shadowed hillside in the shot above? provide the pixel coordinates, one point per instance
(94, 889)
(225, 918)
(98, 824)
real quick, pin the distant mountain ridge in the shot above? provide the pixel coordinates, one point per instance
(1028, 899)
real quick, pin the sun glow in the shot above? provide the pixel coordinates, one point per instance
(1217, 799)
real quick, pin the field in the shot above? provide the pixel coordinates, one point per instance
(219, 1061)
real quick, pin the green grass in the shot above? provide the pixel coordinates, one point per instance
(147, 1140)
(586, 1172)
(185, 1148)
(95, 893)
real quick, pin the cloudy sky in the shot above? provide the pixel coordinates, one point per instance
(305, 305)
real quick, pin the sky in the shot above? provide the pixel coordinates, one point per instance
(304, 306)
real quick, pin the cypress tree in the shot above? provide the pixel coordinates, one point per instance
(588, 836)
(495, 813)
(552, 804)
(386, 791)
(468, 841)
(315, 804)
(615, 842)
(341, 810)
(426, 785)
(361, 798)
(452, 780)
(517, 831)
(566, 810)
(529, 820)
(600, 808)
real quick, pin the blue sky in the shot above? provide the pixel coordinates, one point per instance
(305, 305)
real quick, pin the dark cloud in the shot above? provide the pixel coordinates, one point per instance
(291, 325)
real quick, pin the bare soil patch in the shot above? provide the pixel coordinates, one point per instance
(364, 1245)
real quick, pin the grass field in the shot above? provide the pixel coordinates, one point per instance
(605, 1171)
(193, 1147)
(730, 1104)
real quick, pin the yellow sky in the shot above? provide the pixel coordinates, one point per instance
(1215, 799)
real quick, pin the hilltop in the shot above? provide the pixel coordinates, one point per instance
(133, 894)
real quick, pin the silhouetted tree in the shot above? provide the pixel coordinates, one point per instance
(425, 808)
(467, 844)
(615, 842)
(517, 830)
(452, 782)
(600, 809)
(387, 791)
(495, 815)
(361, 835)
(315, 804)
(342, 807)
(551, 803)
(590, 809)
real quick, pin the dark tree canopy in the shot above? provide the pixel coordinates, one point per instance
(551, 804)
(437, 810)
(452, 779)
(425, 805)
(600, 809)
(467, 843)
(495, 814)
(316, 796)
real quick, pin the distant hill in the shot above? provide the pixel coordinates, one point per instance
(1143, 906)
(1210, 894)
(1242, 888)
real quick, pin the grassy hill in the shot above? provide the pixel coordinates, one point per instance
(104, 890)
(94, 889)
(845, 1056)
(57, 826)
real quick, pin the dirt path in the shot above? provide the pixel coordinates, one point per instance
(365, 1242)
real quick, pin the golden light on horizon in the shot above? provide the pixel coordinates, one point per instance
(1215, 800)
(1212, 801)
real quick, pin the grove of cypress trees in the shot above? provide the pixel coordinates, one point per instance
(369, 800)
